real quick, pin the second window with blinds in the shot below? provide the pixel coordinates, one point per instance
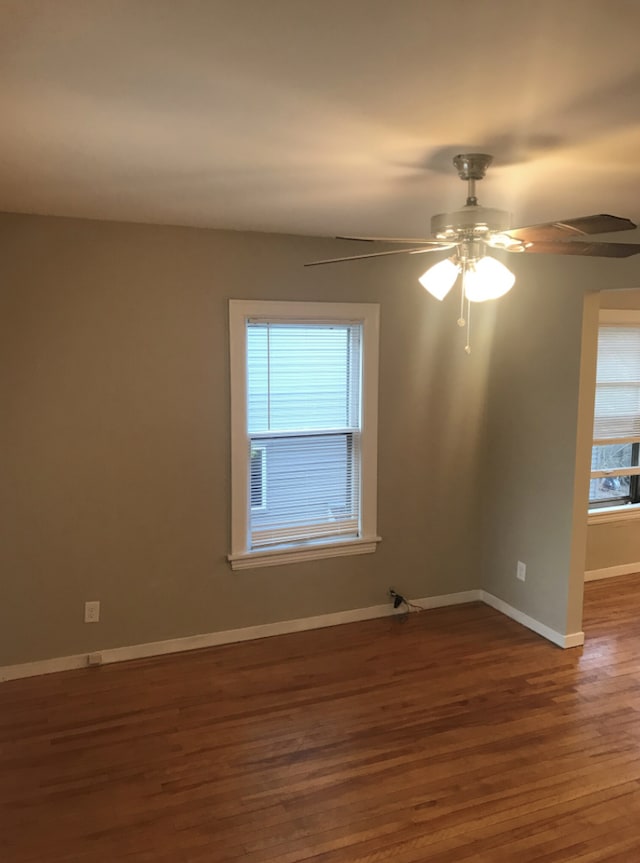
(615, 461)
(303, 430)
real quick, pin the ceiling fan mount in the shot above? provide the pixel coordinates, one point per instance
(472, 221)
(472, 166)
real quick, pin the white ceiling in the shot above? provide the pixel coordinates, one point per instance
(317, 116)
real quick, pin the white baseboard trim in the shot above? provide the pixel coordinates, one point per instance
(447, 599)
(572, 639)
(213, 639)
(611, 571)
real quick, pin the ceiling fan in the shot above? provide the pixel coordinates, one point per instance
(474, 229)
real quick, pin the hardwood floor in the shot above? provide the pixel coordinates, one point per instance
(456, 736)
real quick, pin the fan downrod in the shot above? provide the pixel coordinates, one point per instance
(472, 167)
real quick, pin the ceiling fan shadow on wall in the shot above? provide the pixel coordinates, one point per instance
(473, 230)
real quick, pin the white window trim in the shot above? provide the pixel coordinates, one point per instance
(604, 514)
(241, 557)
(619, 316)
(626, 511)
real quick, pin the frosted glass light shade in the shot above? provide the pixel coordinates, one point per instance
(487, 279)
(440, 278)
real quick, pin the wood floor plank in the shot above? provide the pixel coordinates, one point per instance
(454, 736)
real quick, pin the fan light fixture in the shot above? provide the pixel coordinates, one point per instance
(440, 278)
(483, 278)
(487, 279)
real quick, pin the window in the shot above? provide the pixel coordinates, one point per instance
(304, 380)
(615, 460)
(258, 477)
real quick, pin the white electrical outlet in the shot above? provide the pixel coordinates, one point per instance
(94, 659)
(92, 611)
(521, 571)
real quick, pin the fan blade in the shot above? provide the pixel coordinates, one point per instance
(413, 240)
(439, 247)
(573, 247)
(561, 230)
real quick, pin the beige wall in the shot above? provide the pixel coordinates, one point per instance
(611, 299)
(538, 453)
(114, 441)
(614, 543)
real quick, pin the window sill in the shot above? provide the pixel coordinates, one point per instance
(279, 556)
(614, 513)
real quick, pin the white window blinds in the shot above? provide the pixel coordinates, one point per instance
(617, 407)
(304, 428)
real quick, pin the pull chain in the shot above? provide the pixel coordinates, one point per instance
(467, 347)
(461, 320)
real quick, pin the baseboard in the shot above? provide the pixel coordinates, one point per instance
(572, 639)
(249, 633)
(611, 571)
(229, 636)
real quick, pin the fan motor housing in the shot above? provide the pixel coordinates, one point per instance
(469, 222)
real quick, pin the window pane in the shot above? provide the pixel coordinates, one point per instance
(303, 376)
(618, 354)
(612, 489)
(612, 456)
(609, 489)
(313, 488)
(617, 404)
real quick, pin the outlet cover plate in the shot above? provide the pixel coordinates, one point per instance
(521, 571)
(92, 611)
